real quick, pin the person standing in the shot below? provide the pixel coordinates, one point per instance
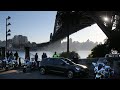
(11, 57)
(7, 54)
(55, 55)
(36, 59)
(44, 55)
(16, 55)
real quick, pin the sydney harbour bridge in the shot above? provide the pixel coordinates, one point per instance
(69, 22)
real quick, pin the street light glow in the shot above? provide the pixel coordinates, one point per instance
(106, 19)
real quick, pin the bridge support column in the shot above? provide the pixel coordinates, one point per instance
(68, 44)
(68, 41)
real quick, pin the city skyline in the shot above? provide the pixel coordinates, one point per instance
(37, 26)
(18, 42)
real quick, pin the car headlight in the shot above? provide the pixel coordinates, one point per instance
(77, 68)
(83, 66)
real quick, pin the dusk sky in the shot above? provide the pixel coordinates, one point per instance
(37, 26)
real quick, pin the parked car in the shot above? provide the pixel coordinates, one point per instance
(62, 65)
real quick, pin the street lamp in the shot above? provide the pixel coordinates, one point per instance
(7, 31)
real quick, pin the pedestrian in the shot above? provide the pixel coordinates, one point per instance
(7, 54)
(11, 57)
(55, 55)
(42, 55)
(36, 59)
(45, 55)
(19, 62)
(11, 54)
(16, 55)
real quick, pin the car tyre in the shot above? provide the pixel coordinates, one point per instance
(70, 74)
(42, 70)
(6, 68)
(24, 70)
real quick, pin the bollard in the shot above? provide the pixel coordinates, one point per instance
(27, 53)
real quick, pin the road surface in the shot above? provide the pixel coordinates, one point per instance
(18, 74)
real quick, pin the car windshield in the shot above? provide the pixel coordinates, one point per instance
(68, 61)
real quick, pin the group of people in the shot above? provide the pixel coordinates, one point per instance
(55, 55)
(44, 55)
(11, 56)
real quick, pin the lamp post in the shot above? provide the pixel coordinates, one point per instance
(7, 31)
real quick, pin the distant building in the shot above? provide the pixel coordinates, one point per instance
(2, 44)
(34, 44)
(20, 40)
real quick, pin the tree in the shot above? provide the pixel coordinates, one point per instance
(100, 50)
(70, 56)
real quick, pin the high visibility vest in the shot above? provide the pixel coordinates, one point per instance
(55, 56)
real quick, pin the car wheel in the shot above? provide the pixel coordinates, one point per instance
(24, 70)
(70, 74)
(6, 68)
(42, 70)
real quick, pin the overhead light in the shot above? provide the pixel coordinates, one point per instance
(9, 24)
(8, 17)
(8, 34)
(9, 30)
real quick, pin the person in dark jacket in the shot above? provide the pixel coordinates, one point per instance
(7, 54)
(36, 59)
(44, 55)
(16, 55)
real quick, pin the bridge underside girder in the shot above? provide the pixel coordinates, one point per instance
(70, 22)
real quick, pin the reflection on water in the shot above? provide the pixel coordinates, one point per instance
(82, 54)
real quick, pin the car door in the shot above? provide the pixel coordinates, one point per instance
(49, 64)
(59, 65)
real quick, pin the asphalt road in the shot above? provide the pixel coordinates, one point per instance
(18, 74)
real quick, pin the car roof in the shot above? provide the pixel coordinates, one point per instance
(56, 58)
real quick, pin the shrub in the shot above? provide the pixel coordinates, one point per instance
(70, 55)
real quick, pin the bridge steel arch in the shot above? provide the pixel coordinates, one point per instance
(68, 22)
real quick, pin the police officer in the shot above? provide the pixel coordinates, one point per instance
(55, 55)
